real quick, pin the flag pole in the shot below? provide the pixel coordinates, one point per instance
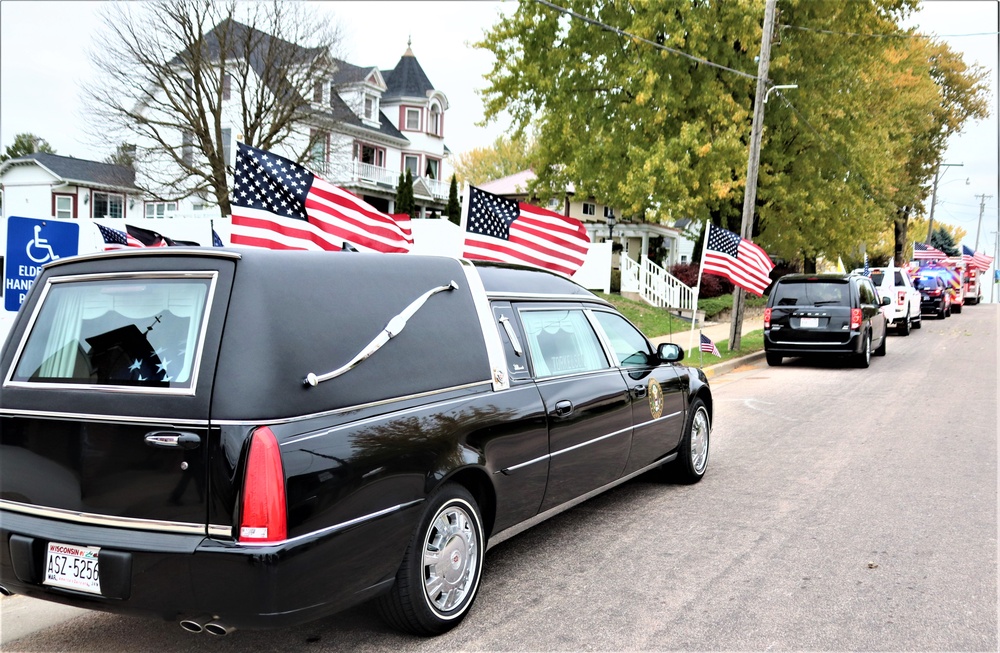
(701, 354)
(463, 221)
(697, 287)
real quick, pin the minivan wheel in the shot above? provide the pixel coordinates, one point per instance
(692, 455)
(774, 360)
(880, 351)
(439, 577)
(864, 358)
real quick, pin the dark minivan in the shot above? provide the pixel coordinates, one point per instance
(251, 438)
(824, 315)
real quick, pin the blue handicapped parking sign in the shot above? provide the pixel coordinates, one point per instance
(31, 244)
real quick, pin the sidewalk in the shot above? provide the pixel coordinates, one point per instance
(716, 332)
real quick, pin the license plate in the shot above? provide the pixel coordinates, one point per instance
(73, 567)
(809, 322)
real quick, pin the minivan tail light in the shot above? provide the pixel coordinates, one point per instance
(855, 318)
(767, 318)
(264, 514)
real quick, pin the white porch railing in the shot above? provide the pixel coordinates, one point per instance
(375, 174)
(655, 285)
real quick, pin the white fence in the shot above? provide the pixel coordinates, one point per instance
(655, 285)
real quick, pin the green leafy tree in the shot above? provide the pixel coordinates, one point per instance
(507, 155)
(25, 144)
(454, 209)
(665, 136)
(124, 155)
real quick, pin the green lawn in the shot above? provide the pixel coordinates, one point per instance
(656, 322)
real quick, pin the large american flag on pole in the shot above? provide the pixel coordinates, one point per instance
(737, 259)
(505, 230)
(278, 204)
(977, 260)
(925, 252)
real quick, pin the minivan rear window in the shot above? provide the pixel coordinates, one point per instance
(140, 330)
(811, 293)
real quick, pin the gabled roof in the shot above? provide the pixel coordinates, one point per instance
(80, 172)
(516, 184)
(348, 73)
(407, 79)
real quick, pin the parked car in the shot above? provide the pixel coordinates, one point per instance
(824, 315)
(903, 311)
(257, 439)
(935, 296)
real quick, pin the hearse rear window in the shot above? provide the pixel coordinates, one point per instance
(140, 330)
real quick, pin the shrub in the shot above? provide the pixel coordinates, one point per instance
(711, 285)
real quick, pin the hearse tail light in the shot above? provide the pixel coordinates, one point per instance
(767, 318)
(855, 318)
(263, 515)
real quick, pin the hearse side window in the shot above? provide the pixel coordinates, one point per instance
(631, 347)
(117, 331)
(562, 342)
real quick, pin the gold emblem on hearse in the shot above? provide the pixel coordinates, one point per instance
(655, 398)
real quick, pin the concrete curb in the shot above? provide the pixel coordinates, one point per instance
(728, 366)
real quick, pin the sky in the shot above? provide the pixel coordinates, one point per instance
(44, 66)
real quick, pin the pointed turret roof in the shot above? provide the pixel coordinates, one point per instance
(407, 79)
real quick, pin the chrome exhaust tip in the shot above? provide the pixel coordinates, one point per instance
(218, 629)
(5, 591)
(193, 625)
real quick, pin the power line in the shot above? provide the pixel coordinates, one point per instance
(629, 35)
(884, 36)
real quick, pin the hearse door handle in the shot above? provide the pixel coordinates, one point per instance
(562, 408)
(639, 391)
(173, 440)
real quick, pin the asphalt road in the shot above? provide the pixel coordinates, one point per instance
(844, 509)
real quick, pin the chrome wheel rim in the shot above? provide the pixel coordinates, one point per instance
(699, 441)
(450, 558)
(868, 348)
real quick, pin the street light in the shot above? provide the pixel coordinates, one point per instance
(775, 88)
(611, 223)
(937, 177)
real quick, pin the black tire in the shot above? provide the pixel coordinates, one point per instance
(692, 455)
(774, 360)
(421, 601)
(956, 308)
(904, 326)
(919, 322)
(864, 358)
(881, 348)
(942, 313)
(947, 311)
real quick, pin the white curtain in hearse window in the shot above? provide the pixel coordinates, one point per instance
(135, 332)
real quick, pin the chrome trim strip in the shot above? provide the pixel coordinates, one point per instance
(107, 521)
(658, 419)
(810, 344)
(211, 275)
(350, 409)
(516, 296)
(504, 535)
(494, 346)
(590, 442)
(208, 252)
(110, 419)
(512, 468)
(333, 529)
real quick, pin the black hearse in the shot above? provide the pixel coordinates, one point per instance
(256, 439)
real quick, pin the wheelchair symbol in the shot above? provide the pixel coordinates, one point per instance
(42, 246)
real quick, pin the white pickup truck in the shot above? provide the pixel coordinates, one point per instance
(903, 313)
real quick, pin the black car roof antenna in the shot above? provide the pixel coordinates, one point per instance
(391, 330)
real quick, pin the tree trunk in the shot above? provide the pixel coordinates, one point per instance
(900, 225)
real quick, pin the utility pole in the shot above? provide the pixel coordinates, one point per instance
(753, 163)
(982, 206)
(937, 177)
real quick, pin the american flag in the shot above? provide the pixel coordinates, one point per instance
(115, 239)
(867, 271)
(924, 252)
(976, 260)
(737, 259)
(278, 204)
(500, 229)
(708, 346)
(216, 239)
